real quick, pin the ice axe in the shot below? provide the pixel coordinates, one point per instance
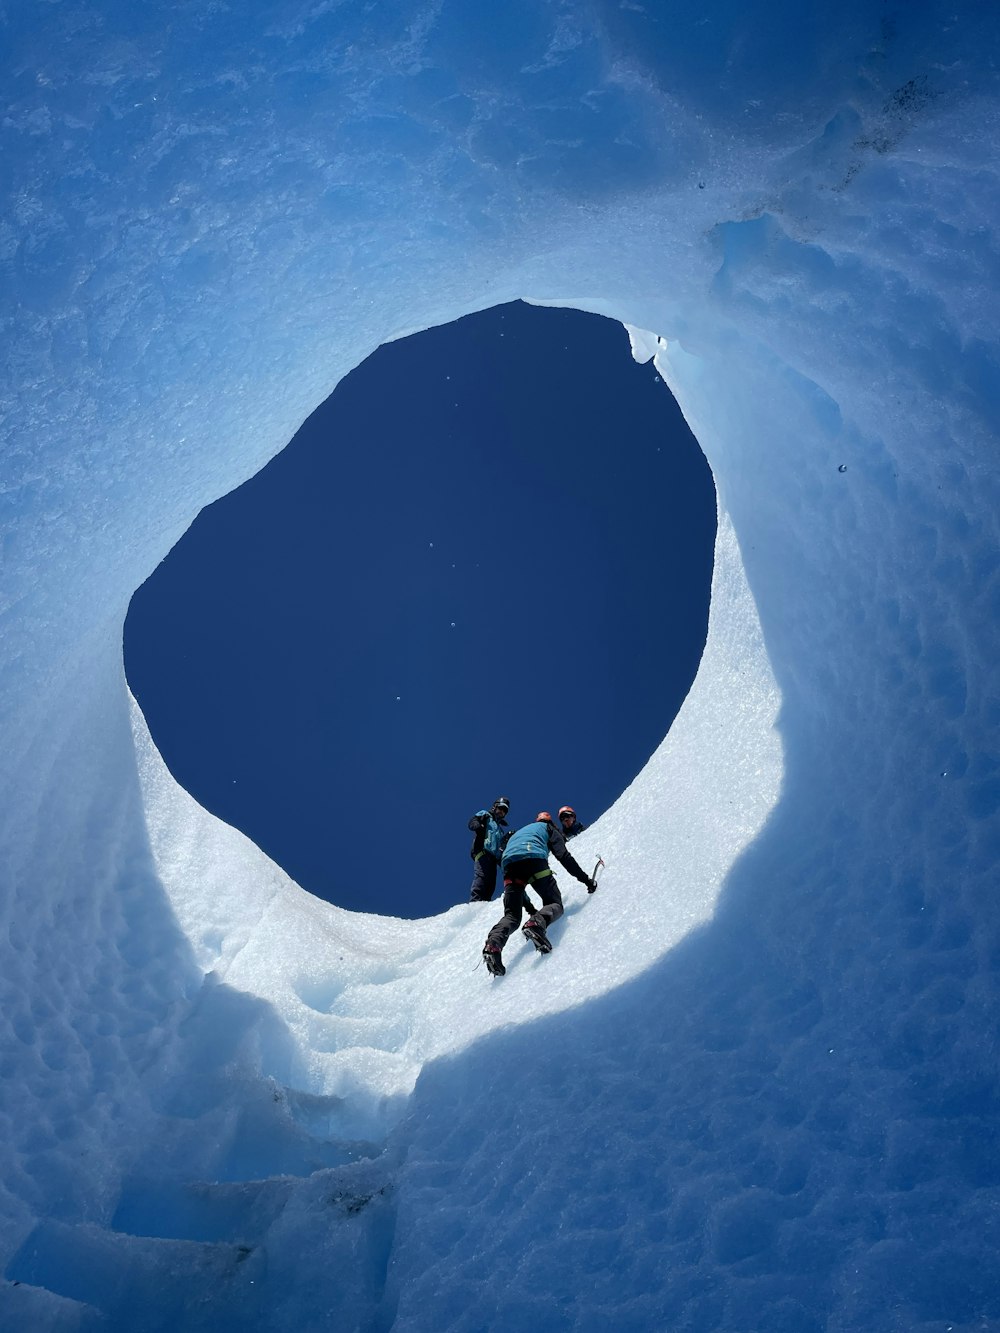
(599, 866)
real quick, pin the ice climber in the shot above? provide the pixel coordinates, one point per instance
(571, 826)
(490, 834)
(526, 861)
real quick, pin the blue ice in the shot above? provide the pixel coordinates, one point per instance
(755, 1085)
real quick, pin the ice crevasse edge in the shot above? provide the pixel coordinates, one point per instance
(203, 231)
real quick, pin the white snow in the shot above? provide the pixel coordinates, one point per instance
(755, 1085)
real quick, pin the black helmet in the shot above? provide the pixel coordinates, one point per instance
(501, 803)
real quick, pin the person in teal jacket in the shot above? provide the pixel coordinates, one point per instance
(526, 861)
(490, 834)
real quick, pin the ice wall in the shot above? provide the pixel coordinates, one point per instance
(208, 217)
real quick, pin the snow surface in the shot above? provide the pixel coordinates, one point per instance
(755, 1085)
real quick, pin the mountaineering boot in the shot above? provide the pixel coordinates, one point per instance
(493, 961)
(535, 931)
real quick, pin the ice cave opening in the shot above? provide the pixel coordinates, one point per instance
(330, 646)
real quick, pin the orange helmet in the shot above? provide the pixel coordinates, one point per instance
(543, 815)
(566, 810)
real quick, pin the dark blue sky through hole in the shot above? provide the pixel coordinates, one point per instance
(482, 567)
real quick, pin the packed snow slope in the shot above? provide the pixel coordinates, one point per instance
(755, 1085)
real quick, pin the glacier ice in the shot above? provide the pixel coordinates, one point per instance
(755, 1085)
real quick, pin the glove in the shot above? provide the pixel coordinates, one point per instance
(591, 885)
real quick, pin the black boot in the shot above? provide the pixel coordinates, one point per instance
(535, 931)
(494, 963)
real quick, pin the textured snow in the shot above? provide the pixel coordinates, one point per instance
(755, 1085)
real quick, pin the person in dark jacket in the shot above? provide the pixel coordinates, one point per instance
(571, 826)
(526, 861)
(490, 834)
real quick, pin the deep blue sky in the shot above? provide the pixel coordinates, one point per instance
(482, 567)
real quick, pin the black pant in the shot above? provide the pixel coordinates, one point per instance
(484, 878)
(517, 877)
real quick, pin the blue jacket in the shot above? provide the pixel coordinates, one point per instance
(528, 843)
(492, 838)
(534, 842)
